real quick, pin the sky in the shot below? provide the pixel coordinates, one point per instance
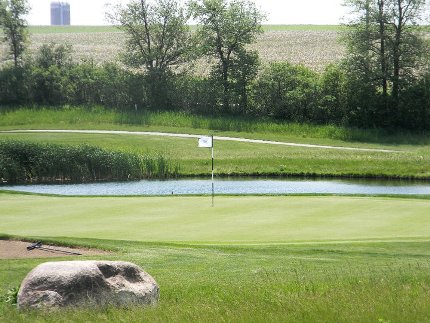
(285, 12)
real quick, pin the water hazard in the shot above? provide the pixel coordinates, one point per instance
(231, 186)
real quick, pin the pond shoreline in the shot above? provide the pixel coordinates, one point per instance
(231, 186)
(282, 176)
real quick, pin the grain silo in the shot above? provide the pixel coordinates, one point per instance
(60, 13)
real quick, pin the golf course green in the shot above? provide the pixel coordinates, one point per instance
(248, 258)
(236, 219)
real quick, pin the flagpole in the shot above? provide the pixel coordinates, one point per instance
(213, 188)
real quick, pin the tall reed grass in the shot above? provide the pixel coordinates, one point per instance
(25, 162)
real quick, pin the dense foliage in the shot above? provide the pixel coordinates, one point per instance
(368, 89)
(24, 162)
(14, 25)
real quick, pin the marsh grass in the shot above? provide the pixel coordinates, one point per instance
(29, 162)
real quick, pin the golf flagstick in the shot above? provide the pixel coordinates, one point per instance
(208, 142)
(213, 187)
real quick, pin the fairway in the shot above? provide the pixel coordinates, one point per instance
(248, 259)
(244, 219)
(242, 158)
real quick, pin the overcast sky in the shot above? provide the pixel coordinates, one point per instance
(287, 12)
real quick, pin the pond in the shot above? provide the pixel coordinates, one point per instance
(231, 186)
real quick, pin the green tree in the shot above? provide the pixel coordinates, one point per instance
(289, 92)
(244, 70)
(158, 39)
(51, 54)
(226, 27)
(408, 46)
(50, 74)
(158, 36)
(384, 46)
(12, 13)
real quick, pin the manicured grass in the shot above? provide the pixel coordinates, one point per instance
(236, 158)
(232, 220)
(233, 158)
(248, 278)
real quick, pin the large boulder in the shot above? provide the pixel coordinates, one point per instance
(87, 283)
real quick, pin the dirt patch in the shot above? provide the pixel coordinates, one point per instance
(11, 249)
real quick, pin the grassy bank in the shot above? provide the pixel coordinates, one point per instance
(100, 118)
(233, 158)
(252, 278)
(364, 282)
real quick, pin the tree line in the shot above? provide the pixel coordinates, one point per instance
(383, 81)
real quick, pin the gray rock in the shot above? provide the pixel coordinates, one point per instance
(87, 283)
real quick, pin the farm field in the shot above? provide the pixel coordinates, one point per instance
(319, 259)
(314, 46)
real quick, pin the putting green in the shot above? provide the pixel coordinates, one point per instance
(243, 219)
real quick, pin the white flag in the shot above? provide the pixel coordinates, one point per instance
(205, 142)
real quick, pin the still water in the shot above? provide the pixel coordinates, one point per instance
(231, 186)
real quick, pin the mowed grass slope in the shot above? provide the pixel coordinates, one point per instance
(224, 263)
(270, 219)
(411, 158)
(363, 282)
(238, 158)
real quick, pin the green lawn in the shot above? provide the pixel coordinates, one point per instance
(241, 261)
(238, 158)
(250, 219)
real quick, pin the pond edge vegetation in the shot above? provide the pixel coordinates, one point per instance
(25, 162)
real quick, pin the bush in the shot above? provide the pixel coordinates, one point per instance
(287, 92)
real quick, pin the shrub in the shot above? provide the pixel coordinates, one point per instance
(287, 92)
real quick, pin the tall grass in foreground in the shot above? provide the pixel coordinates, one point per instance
(24, 162)
(100, 118)
(374, 282)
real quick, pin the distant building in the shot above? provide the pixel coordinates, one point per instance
(60, 13)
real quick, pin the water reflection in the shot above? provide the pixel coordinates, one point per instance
(232, 186)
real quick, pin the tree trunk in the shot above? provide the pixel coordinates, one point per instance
(382, 50)
(397, 51)
(226, 86)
